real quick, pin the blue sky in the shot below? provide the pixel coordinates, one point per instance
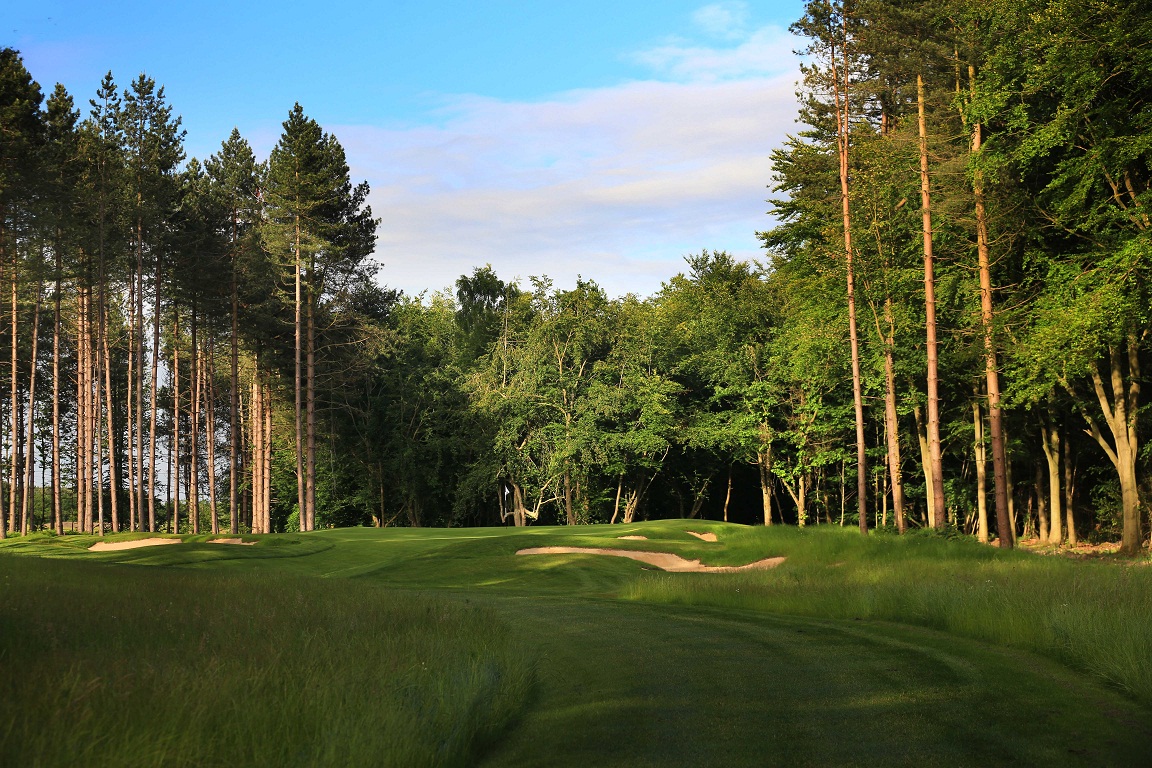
(607, 139)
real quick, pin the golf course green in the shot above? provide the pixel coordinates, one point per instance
(414, 647)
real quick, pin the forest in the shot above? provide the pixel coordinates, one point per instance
(948, 329)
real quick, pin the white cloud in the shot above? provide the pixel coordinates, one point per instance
(615, 184)
(765, 51)
(724, 20)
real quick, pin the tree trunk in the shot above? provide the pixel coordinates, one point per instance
(1069, 491)
(926, 465)
(15, 421)
(310, 476)
(728, 493)
(256, 415)
(841, 81)
(152, 404)
(939, 505)
(29, 481)
(301, 508)
(175, 419)
(569, 513)
(1119, 403)
(1041, 507)
(194, 433)
(1051, 438)
(83, 462)
(234, 422)
(129, 410)
(991, 371)
(891, 420)
(981, 471)
(209, 375)
(139, 383)
(57, 513)
(763, 463)
(266, 473)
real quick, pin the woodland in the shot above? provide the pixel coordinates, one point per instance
(949, 327)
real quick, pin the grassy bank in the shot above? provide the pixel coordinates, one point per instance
(1094, 616)
(127, 666)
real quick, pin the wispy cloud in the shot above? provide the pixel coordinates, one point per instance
(764, 51)
(616, 184)
(724, 20)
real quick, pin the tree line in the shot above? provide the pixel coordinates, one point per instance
(947, 330)
(164, 311)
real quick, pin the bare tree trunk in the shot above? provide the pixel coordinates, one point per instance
(139, 382)
(570, 516)
(981, 470)
(1051, 438)
(939, 504)
(15, 422)
(1041, 507)
(106, 363)
(175, 419)
(763, 461)
(256, 413)
(194, 434)
(926, 464)
(235, 425)
(991, 371)
(1120, 403)
(310, 475)
(891, 420)
(1069, 491)
(266, 473)
(82, 460)
(57, 516)
(152, 404)
(29, 481)
(210, 413)
(301, 507)
(728, 493)
(843, 124)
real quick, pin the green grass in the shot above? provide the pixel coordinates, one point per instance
(443, 647)
(120, 666)
(1094, 616)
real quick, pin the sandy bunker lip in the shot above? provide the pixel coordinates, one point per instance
(108, 546)
(111, 546)
(663, 560)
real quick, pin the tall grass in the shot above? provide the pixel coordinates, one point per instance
(1094, 616)
(124, 666)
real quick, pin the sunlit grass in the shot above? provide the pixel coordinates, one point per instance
(1094, 616)
(125, 666)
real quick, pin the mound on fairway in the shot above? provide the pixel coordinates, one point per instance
(662, 560)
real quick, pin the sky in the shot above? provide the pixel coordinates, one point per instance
(606, 139)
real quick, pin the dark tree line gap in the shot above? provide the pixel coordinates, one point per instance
(958, 281)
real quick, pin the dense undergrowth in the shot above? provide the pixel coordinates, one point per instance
(1093, 616)
(114, 665)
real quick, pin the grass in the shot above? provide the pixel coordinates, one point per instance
(443, 647)
(122, 666)
(1094, 616)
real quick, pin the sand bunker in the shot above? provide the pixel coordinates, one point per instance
(663, 560)
(231, 541)
(702, 536)
(108, 546)
(634, 538)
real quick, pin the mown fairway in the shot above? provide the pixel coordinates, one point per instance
(629, 666)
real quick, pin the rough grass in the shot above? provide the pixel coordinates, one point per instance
(1093, 616)
(124, 666)
(306, 650)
